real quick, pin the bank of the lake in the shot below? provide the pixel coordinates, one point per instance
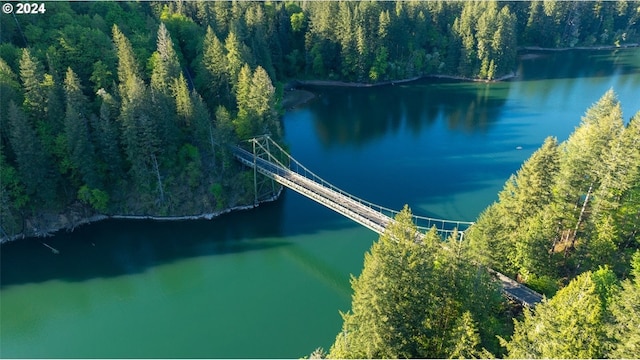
(49, 224)
(588, 48)
(336, 83)
(270, 282)
(46, 224)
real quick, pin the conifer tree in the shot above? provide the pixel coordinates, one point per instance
(246, 120)
(234, 61)
(107, 139)
(166, 66)
(569, 325)
(79, 146)
(166, 82)
(128, 69)
(507, 225)
(32, 76)
(34, 166)
(409, 298)
(184, 106)
(202, 127)
(9, 88)
(625, 308)
(581, 165)
(141, 135)
(13, 198)
(224, 135)
(217, 80)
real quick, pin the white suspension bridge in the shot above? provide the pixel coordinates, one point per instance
(270, 159)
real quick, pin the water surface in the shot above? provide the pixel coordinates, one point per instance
(270, 282)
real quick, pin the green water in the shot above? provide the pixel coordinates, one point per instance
(270, 282)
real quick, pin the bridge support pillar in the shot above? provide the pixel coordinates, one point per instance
(255, 174)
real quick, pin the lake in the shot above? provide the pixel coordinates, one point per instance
(270, 282)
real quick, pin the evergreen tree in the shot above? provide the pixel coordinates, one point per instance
(10, 89)
(166, 66)
(217, 82)
(625, 308)
(508, 224)
(202, 125)
(465, 339)
(409, 297)
(34, 166)
(140, 134)
(224, 135)
(184, 105)
(569, 325)
(165, 84)
(245, 124)
(79, 146)
(234, 61)
(107, 140)
(582, 161)
(262, 100)
(128, 69)
(615, 214)
(32, 76)
(13, 197)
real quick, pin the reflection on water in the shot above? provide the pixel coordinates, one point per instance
(269, 282)
(347, 116)
(579, 64)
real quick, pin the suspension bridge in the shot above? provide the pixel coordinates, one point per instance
(270, 159)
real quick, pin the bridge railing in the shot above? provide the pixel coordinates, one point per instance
(446, 227)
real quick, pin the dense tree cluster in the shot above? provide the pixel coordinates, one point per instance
(126, 107)
(568, 220)
(595, 316)
(143, 140)
(420, 300)
(425, 300)
(372, 41)
(572, 207)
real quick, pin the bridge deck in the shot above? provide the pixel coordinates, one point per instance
(359, 212)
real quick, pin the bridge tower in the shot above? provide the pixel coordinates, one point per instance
(264, 187)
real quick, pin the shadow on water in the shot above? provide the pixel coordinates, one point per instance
(113, 248)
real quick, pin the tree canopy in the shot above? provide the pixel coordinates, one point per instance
(419, 299)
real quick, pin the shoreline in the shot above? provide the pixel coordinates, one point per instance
(299, 97)
(293, 84)
(101, 217)
(328, 83)
(596, 47)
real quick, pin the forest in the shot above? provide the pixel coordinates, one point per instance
(129, 107)
(566, 224)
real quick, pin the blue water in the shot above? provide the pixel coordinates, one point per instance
(270, 282)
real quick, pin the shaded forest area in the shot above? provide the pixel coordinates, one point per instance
(566, 224)
(128, 107)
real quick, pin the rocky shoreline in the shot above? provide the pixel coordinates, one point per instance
(66, 222)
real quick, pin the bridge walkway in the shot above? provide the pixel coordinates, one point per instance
(373, 217)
